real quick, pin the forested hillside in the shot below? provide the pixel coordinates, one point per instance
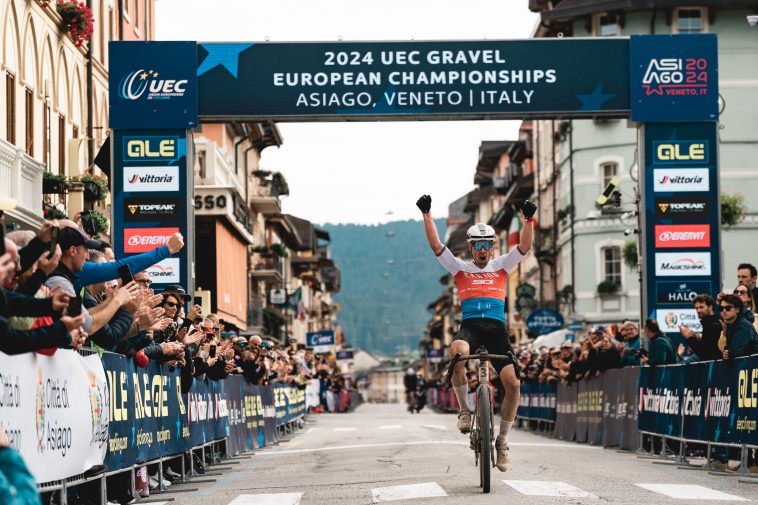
(389, 276)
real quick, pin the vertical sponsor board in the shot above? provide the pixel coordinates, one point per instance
(152, 195)
(681, 236)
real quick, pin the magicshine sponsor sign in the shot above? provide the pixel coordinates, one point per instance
(680, 179)
(165, 272)
(151, 179)
(683, 264)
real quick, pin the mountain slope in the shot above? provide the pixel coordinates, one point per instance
(389, 276)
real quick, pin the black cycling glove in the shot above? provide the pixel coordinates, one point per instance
(528, 208)
(424, 203)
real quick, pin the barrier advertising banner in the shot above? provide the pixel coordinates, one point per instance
(565, 412)
(538, 401)
(54, 410)
(620, 407)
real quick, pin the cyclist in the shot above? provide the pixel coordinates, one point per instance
(481, 287)
(410, 381)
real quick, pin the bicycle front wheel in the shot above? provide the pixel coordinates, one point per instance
(483, 409)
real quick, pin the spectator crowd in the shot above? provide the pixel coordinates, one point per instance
(61, 289)
(728, 330)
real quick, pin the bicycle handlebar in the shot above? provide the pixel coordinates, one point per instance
(482, 356)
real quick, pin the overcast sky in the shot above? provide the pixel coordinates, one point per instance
(360, 172)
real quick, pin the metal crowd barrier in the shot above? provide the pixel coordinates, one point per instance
(218, 452)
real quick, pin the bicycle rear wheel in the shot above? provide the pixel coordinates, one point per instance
(483, 408)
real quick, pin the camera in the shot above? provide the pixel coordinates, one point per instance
(752, 19)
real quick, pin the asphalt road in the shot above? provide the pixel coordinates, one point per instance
(381, 453)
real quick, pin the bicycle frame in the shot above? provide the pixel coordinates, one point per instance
(482, 430)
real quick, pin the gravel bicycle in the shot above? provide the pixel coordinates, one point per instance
(481, 434)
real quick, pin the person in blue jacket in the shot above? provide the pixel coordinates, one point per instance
(17, 485)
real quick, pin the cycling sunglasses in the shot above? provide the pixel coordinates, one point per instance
(486, 244)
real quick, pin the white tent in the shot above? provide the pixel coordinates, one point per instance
(552, 339)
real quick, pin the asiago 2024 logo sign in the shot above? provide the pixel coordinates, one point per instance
(136, 83)
(676, 77)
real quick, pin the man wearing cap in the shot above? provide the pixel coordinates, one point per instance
(74, 245)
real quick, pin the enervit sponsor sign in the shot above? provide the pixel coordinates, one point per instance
(671, 319)
(673, 292)
(151, 209)
(681, 264)
(682, 207)
(165, 272)
(138, 240)
(151, 179)
(682, 235)
(680, 179)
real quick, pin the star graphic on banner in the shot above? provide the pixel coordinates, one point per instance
(595, 100)
(178, 427)
(226, 55)
(717, 432)
(710, 371)
(143, 76)
(732, 416)
(134, 439)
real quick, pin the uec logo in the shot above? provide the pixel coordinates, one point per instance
(134, 85)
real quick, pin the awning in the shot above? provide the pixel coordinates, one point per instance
(103, 158)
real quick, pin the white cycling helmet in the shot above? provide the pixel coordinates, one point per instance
(480, 231)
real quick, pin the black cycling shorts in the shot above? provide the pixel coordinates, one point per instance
(489, 333)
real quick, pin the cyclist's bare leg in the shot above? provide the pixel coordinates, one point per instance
(507, 413)
(460, 384)
(511, 385)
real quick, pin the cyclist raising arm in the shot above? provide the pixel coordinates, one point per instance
(481, 286)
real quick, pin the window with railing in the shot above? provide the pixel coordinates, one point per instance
(608, 171)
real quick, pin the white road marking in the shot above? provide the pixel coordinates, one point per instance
(430, 442)
(308, 431)
(268, 499)
(689, 492)
(391, 427)
(394, 493)
(345, 429)
(434, 426)
(547, 488)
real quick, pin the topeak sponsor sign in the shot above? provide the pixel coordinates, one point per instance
(151, 209)
(682, 208)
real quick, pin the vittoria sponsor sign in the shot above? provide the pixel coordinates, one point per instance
(151, 179)
(682, 235)
(680, 179)
(683, 264)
